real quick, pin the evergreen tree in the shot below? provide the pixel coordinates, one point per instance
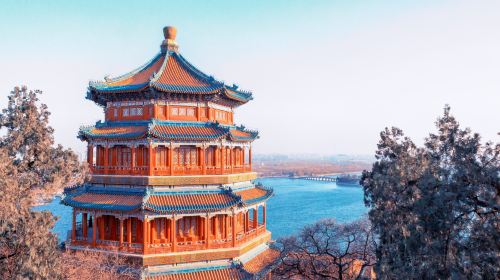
(435, 208)
(31, 169)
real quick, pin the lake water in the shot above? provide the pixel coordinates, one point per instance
(295, 204)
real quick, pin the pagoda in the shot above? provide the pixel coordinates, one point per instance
(171, 175)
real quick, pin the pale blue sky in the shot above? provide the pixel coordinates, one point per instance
(327, 76)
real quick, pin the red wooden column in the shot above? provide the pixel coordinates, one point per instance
(171, 159)
(114, 158)
(90, 156)
(73, 226)
(84, 225)
(226, 225)
(231, 158)
(234, 230)
(106, 157)
(264, 215)
(222, 159)
(247, 221)
(155, 111)
(203, 161)
(138, 231)
(152, 157)
(132, 160)
(121, 233)
(94, 230)
(167, 112)
(207, 232)
(152, 231)
(243, 158)
(129, 231)
(112, 227)
(173, 234)
(255, 218)
(250, 157)
(216, 226)
(145, 243)
(101, 227)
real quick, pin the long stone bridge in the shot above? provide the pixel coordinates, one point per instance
(318, 178)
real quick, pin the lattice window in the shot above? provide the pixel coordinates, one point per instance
(176, 156)
(182, 111)
(210, 156)
(194, 156)
(161, 228)
(181, 156)
(124, 156)
(228, 157)
(187, 156)
(175, 111)
(134, 226)
(161, 156)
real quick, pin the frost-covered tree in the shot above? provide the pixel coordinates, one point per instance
(327, 250)
(435, 209)
(31, 169)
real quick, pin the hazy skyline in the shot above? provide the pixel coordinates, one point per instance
(327, 76)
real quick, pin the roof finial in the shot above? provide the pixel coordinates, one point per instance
(169, 32)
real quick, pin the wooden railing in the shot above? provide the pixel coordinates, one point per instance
(161, 248)
(166, 170)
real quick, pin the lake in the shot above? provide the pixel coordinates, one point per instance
(295, 204)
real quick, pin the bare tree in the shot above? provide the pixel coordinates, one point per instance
(82, 265)
(327, 250)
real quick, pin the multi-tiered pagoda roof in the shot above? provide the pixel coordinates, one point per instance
(167, 131)
(164, 201)
(171, 175)
(168, 74)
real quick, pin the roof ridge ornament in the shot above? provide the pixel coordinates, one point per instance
(169, 44)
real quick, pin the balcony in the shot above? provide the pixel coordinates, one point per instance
(163, 246)
(177, 170)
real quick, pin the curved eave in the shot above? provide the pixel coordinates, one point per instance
(119, 201)
(269, 194)
(102, 88)
(108, 86)
(137, 70)
(126, 136)
(184, 137)
(69, 201)
(184, 127)
(243, 139)
(163, 209)
(174, 131)
(110, 207)
(186, 89)
(86, 133)
(236, 95)
(101, 91)
(249, 137)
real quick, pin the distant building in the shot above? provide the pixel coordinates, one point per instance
(171, 182)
